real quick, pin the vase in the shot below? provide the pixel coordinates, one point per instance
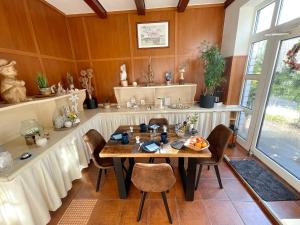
(207, 101)
(45, 91)
(91, 103)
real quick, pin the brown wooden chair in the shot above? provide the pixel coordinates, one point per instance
(161, 122)
(153, 178)
(218, 140)
(95, 143)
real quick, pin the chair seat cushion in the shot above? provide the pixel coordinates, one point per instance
(209, 161)
(107, 162)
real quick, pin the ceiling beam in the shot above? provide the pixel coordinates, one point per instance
(182, 4)
(97, 7)
(228, 3)
(140, 6)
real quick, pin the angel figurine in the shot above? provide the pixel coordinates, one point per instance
(123, 75)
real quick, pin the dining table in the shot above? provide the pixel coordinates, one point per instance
(187, 158)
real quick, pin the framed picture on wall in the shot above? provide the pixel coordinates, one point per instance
(153, 35)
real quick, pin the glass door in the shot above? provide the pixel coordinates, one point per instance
(279, 136)
(253, 75)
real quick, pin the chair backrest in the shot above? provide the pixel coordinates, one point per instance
(159, 121)
(218, 140)
(153, 177)
(95, 143)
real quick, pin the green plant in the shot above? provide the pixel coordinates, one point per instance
(214, 66)
(42, 81)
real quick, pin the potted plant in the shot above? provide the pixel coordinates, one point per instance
(42, 83)
(214, 66)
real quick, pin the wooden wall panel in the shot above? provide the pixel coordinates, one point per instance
(78, 37)
(50, 30)
(27, 67)
(35, 36)
(155, 16)
(108, 76)
(196, 25)
(194, 72)
(114, 40)
(56, 70)
(108, 38)
(15, 28)
(159, 65)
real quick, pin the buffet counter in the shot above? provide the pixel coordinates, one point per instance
(33, 187)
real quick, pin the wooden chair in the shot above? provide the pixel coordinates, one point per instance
(161, 122)
(218, 140)
(95, 143)
(153, 178)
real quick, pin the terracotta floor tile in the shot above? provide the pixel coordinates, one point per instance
(157, 213)
(251, 213)
(285, 209)
(192, 213)
(222, 212)
(236, 191)
(106, 212)
(130, 210)
(209, 189)
(108, 190)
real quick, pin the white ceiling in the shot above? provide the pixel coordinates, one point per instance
(79, 6)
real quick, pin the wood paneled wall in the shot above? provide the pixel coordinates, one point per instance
(36, 36)
(42, 39)
(106, 44)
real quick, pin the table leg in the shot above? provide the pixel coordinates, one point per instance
(120, 178)
(123, 182)
(191, 178)
(188, 177)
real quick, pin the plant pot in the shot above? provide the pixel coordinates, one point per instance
(207, 101)
(91, 103)
(45, 91)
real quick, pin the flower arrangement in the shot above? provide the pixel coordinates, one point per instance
(187, 126)
(72, 116)
(291, 58)
(86, 81)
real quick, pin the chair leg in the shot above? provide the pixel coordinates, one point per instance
(168, 160)
(198, 177)
(143, 197)
(151, 160)
(98, 179)
(164, 197)
(208, 167)
(124, 168)
(218, 176)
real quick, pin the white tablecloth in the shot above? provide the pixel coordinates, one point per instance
(39, 187)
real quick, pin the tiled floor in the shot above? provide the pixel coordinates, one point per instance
(229, 206)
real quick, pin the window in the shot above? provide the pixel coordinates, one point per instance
(264, 18)
(256, 57)
(290, 9)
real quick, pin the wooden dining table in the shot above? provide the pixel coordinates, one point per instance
(116, 150)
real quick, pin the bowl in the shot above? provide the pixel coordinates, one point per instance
(41, 142)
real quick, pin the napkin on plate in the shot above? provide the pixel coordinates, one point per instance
(154, 126)
(116, 136)
(152, 147)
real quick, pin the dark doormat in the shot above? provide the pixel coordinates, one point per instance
(263, 182)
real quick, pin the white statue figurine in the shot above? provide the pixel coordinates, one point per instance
(123, 75)
(12, 90)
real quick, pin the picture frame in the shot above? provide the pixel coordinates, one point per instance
(153, 35)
